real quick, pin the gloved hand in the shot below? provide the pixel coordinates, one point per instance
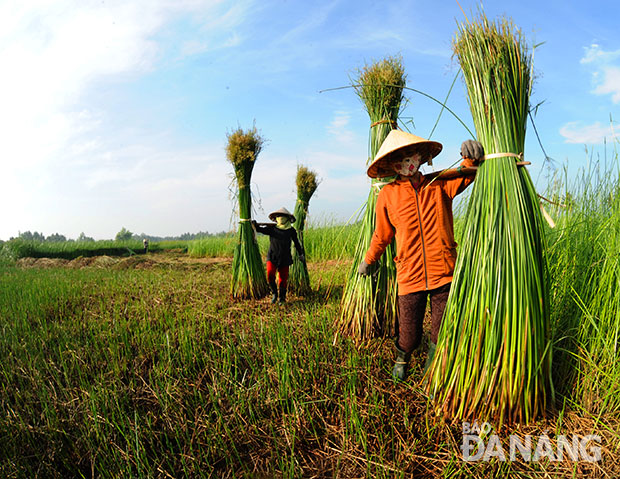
(473, 150)
(254, 223)
(364, 268)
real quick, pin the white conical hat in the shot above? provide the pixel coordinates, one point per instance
(396, 142)
(281, 212)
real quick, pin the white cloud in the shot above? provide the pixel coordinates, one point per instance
(219, 30)
(594, 134)
(52, 53)
(190, 188)
(594, 54)
(145, 188)
(340, 130)
(610, 83)
(606, 70)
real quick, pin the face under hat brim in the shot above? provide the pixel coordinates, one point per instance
(382, 167)
(281, 212)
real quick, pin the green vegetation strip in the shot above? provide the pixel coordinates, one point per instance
(17, 248)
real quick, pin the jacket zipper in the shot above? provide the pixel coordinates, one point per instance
(417, 204)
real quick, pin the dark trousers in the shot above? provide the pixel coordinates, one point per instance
(412, 307)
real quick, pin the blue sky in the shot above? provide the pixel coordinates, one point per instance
(115, 113)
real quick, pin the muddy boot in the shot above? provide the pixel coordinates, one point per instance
(401, 365)
(282, 294)
(429, 358)
(274, 292)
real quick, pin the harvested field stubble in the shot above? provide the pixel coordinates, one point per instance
(157, 372)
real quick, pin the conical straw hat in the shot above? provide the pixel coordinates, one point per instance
(396, 142)
(281, 212)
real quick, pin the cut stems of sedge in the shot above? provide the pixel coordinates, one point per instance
(248, 273)
(306, 180)
(369, 303)
(493, 358)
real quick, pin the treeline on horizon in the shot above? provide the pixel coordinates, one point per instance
(122, 235)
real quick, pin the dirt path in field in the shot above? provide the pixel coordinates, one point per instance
(168, 259)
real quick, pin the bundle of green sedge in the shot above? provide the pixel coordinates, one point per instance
(299, 280)
(369, 303)
(493, 357)
(248, 272)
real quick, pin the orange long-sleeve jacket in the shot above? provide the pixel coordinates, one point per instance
(421, 219)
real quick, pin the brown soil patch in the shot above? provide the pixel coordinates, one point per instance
(331, 263)
(171, 259)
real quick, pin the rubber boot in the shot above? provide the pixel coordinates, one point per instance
(282, 294)
(401, 365)
(429, 358)
(274, 292)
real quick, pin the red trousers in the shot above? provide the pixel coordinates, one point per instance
(282, 274)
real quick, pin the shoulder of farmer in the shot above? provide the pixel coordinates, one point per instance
(393, 185)
(391, 195)
(387, 192)
(382, 198)
(385, 203)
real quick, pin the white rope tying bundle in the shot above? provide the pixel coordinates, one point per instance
(502, 155)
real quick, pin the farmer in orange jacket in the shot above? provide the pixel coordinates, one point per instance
(418, 212)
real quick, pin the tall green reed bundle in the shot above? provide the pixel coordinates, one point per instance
(369, 304)
(248, 273)
(299, 280)
(493, 358)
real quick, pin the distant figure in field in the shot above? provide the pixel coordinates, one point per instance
(279, 257)
(145, 243)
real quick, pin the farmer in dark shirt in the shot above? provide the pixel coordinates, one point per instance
(279, 255)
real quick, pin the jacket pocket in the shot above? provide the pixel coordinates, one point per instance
(449, 260)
